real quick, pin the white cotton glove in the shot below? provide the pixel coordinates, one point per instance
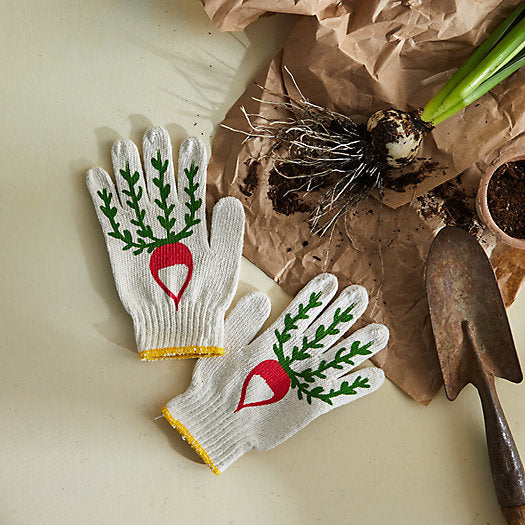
(261, 393)
(175, 284)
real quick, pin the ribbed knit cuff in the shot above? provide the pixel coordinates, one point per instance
(208, 423)
(195, 331)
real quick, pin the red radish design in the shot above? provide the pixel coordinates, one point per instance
(170, 255)
(276, 378)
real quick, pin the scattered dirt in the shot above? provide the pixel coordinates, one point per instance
(251, 180)
(506, 198)
(282, 192)
(400, 184)
(453, 205)
(450, 201)
(284, 196)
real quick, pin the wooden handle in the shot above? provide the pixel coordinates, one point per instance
(514, 515)
(505, 462)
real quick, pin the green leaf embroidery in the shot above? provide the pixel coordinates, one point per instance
(344, 390)
(194, 204)
(340, 358)
(164, 192)
(125, 236)
(290, 324)
(302, 380)
(146, 240)
(135, 192)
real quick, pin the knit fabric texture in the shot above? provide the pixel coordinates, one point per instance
(174, 282)
(262, 392)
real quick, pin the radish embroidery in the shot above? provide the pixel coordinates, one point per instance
(279, 374)
(171, 255)
(165, 252)
(276, 378)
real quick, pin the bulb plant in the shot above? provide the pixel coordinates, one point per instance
(397, 135)
(328, 152)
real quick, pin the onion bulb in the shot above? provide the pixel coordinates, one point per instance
(397, 135)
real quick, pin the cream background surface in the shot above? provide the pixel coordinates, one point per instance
(80, 442)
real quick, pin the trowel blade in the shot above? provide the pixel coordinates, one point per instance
(461, 286)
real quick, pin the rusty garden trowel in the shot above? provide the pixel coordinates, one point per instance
(474, 344)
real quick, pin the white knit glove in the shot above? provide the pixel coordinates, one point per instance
(261, 393)
(175, 284)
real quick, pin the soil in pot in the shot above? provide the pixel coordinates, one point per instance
(506, 198)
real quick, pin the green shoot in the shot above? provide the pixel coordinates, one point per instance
(495, 59)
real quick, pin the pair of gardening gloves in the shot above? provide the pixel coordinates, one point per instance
(177, 283)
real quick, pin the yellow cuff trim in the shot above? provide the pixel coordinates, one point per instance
(180, 352)
(179, 427)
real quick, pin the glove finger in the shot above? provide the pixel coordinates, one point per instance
(307, 305)
(240, 327)
(192, 183)
(362, 382)
(227, 228)
(104, 195)
(128, 174)
(158, 168)
(336, 320)
(347, 354)
(245, 320)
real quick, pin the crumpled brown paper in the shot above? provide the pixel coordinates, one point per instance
(235, 15)
(357, 58)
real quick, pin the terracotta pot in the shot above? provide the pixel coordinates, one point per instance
(482, 203)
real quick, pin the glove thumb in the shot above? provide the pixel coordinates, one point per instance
(245, 320)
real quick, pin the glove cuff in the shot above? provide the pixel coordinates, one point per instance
(167, 333)
(206, 421)
(186, 436)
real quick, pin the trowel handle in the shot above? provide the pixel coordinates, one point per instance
(505, 462)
